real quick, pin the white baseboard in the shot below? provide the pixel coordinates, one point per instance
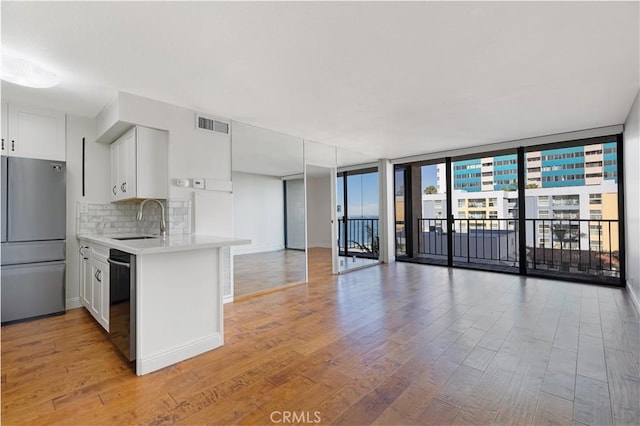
(634, 297)
(73, 303)
(239, 250)
(177, 354)
(227, 299)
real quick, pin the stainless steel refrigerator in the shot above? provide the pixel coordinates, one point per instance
(33, 238)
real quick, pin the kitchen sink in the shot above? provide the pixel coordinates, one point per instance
(137, 237)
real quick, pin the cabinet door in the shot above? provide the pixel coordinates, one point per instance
(5, 136)
(127, 165)
(36, 133)
(96, 290)
(104, 310)
(85, 278)
(100, 280)
(152, 163)
(114, 191)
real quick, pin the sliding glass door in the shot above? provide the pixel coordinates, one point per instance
(358, 217)
(550, 210)
(431, 224)
(573, 222)
(485, 211)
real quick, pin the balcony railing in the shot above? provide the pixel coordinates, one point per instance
(558, 247)
(480, 241)
(565, 203)
(362, 237)
(574, 246)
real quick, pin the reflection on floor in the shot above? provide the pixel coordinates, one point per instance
(346, 263)
(260, 272)
(320, 262)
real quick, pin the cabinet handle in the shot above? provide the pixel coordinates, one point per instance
(2, 143)
(82, 252)
(13, 145)
(99, 276)
(114, 190)
(123, 187)
(95, 275)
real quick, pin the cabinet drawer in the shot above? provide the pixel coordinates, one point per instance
(99, 253)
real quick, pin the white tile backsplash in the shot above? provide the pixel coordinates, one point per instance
(179, 217)
(120, 218)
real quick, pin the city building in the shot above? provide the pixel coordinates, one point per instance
(573, 166)
(591, 211)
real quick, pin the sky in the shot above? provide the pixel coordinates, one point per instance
(429, 176)
(363, 192)
(363, 195)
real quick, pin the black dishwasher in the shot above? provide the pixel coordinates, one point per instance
(122, 302)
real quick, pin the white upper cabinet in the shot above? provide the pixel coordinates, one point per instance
(139, 163)
(123, 167)
(5, 135)
(33, 132)
(113, 164)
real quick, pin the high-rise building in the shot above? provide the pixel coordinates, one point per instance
(574, 166)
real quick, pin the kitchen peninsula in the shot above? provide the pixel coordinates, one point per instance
(178, 294)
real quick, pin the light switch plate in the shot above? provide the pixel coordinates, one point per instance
(198, 183)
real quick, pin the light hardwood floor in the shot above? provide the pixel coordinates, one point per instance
(394, 344)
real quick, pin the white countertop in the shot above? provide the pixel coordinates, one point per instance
(166, 245)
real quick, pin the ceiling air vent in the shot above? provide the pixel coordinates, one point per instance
(211, 125)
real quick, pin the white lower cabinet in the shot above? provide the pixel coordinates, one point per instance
(94, 282)
(85, 277)
(104, 282)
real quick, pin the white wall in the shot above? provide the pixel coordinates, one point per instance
(96, 190)
(632, 198)
(258, 212)
(387, 212)
(319, 211)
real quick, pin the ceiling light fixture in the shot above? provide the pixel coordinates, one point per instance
(26, 73)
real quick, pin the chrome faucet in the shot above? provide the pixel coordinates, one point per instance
(163, 225)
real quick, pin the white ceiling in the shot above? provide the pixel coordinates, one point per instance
(385, 78)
